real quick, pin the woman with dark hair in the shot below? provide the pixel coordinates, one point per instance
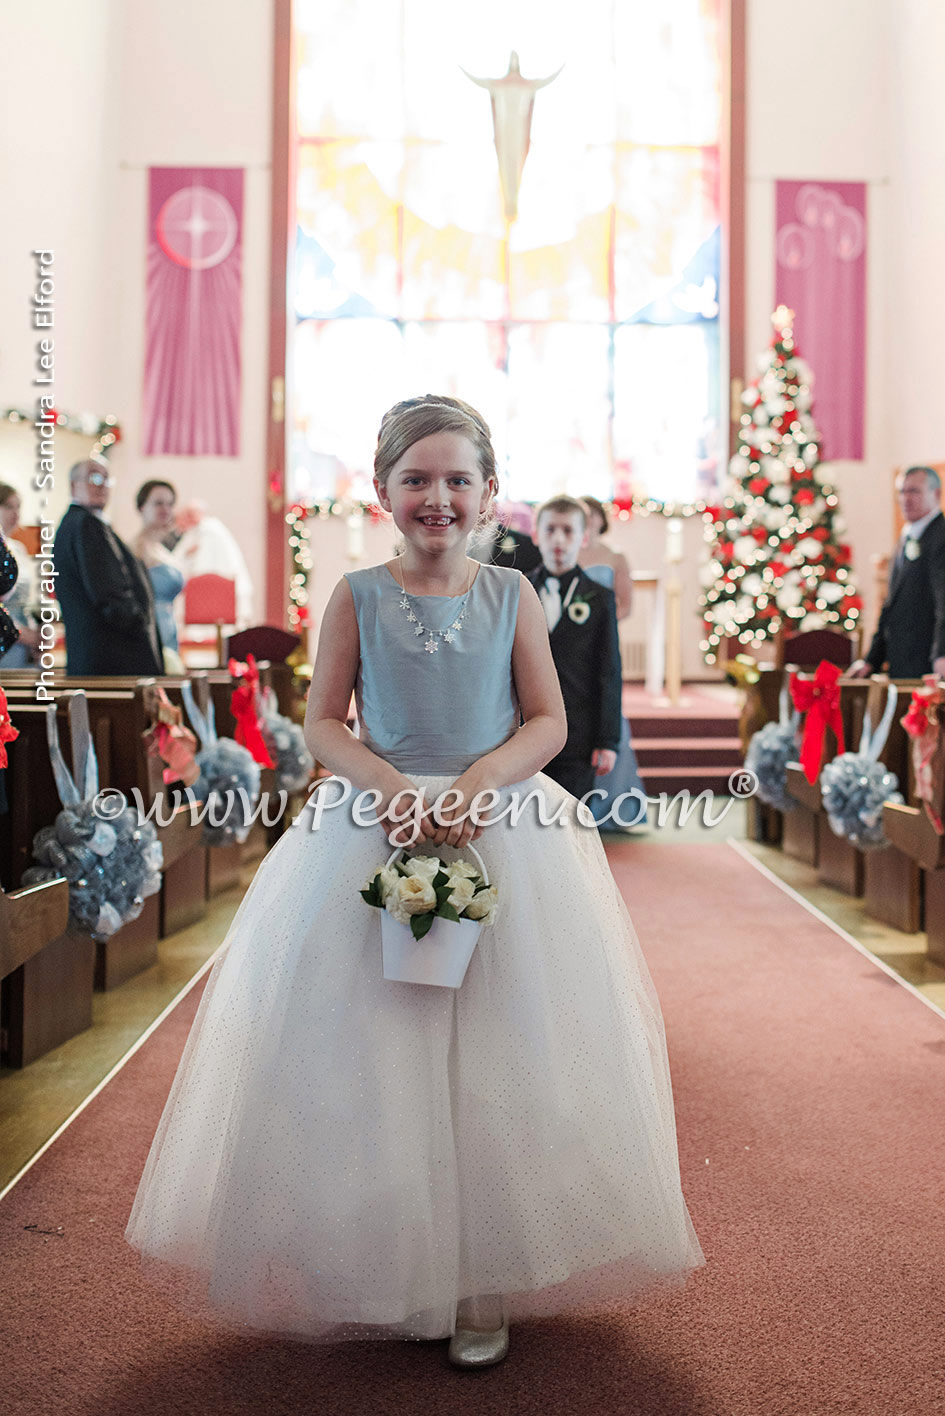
(155, 502)
(18, 635)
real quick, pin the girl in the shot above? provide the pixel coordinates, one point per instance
(622, 799)
(346, 1157)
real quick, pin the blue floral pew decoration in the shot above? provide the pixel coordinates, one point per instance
(111, 859)
(771, 748)
(229, 781)
(855, 785)
(294, 762)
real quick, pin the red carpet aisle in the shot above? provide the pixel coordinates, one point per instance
(809, 1090)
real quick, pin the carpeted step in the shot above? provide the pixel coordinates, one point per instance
(654, 725)
(696, 779)
(688, 752)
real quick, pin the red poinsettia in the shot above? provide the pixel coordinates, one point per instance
(804, 497)
(820, 533)
(759, 485)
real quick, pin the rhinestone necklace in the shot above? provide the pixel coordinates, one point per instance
(431, 644)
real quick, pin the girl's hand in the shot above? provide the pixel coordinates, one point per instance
(405, 816)
(464, 811)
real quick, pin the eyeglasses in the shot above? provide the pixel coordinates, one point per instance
(99, 479)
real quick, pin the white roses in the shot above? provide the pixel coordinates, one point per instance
(417, 890)
(410, 896)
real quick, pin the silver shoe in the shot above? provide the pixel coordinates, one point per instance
(471, 1348)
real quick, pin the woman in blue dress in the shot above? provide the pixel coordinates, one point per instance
(609, 567)
(155, 502)
(18, 598)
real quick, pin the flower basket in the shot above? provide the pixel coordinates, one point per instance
(441, 957)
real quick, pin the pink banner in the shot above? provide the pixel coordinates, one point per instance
(821, 276)
(192, 353)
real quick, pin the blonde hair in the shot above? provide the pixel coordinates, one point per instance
(415, 418)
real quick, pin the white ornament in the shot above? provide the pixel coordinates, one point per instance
(744, 547)
(775, 470)
(831, 591)
(780, 494)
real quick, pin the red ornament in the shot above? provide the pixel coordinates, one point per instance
(759, 485)
(842, 552)
(820, 533)
(804, 497)
(777, 567)
(759, 533)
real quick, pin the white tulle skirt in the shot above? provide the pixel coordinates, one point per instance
(343, 1157)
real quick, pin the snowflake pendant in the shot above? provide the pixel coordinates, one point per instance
(419, 628)
(405, 604)
(431, 645)
(448, 636)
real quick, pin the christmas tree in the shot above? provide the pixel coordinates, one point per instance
(777, 558)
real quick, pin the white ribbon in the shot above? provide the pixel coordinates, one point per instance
(872, 744)
(203, 724)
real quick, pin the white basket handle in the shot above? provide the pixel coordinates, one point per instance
(400, 850)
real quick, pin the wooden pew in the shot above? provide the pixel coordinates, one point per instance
(124, 763)
(47, 995)
(762, 705)
(914, 837)
(45, 977)
(892, 882)
(806, 832)
(118, 716)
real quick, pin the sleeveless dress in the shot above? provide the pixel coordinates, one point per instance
(624, 777)
(167, 582)
(341, 1156)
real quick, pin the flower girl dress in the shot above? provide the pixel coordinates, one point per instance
(342, 1156)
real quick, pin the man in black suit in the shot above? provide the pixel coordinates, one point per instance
(104, 590)
(582, 622)
(910, 637)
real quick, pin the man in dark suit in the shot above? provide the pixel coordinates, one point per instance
(582, 622)
(910, 637)
(104, 590)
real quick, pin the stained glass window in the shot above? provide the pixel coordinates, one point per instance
(587, 329)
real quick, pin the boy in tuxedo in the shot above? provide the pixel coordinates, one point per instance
(582, 623)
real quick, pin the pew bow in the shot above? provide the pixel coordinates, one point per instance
(921, 722)
(245, 707)
(819, 698)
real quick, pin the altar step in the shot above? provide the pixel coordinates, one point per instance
(691, 746)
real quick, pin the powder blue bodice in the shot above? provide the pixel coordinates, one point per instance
(440, 712)
(167, 582)
(603, 574)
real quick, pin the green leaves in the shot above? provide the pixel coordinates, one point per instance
(372, 893)
(421, 924)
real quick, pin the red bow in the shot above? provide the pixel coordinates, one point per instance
(819, 698)
(8, 733)
(921, 723)
(244, 706)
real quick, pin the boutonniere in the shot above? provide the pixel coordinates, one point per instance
(912, 550)
(579, 610)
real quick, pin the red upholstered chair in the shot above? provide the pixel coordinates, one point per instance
(211, 599)
(264, 642)
(805, 651)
